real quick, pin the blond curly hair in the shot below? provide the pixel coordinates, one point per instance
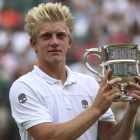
(47, 12)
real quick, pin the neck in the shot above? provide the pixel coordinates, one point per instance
(57, 71)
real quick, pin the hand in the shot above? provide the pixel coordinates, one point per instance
(106, 93)
(134, 89)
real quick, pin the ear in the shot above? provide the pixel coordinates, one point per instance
(33, 44)
(70, 42)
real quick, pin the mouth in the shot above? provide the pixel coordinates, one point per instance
(54, 51)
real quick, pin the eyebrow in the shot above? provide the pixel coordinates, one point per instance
(44, 34)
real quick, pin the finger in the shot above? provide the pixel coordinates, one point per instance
(135, 96)
(132, 85)
(112, 91)
(115, 96)
(110, 83)
(129, 87)
(137, 78)
(133, 91)
(106, 77)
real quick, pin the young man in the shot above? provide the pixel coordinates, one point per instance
(52, 102)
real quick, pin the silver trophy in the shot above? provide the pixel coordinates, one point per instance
(123, 59)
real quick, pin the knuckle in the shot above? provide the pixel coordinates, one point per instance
(132, 94)
(115, 90)
(109, 100)
(109, 84)
(138, 77)
(117, 80)
(104, 96)
(138, 87)
(117, 95)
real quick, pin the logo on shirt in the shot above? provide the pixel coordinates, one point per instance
(84, 104)
(22, 98)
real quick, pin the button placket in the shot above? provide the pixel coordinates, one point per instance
(67, 100)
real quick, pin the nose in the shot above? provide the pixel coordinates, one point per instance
(54, 41)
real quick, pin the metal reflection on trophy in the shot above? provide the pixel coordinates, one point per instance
(123, 59)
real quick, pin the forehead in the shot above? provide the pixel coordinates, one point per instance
(53, 27)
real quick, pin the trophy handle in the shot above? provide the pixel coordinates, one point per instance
(92, 51)
(137, 67)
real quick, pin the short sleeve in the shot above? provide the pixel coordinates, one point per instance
(27, 109)
(107, 116)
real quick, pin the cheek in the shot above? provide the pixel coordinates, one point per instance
(66, 49)
(42, 52)
(42, 47)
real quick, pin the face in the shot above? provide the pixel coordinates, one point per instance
(52, 43)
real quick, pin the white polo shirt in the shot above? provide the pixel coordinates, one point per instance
(37, 98)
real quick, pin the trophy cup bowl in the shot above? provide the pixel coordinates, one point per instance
(122, 59)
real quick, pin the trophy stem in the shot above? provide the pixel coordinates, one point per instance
(123, 85)
(124, 97)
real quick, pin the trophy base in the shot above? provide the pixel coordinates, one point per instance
(123, 99)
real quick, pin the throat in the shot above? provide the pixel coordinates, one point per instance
(58, 73)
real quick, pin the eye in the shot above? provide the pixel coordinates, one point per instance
(61, 35)
(46, 36)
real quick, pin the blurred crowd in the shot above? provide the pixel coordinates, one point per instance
(97, 23)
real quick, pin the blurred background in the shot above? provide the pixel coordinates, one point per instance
(97, 23)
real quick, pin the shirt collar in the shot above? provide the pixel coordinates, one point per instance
(47, 78)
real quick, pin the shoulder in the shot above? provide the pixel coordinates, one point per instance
(27, 86)
(28, 79)
(26, 83)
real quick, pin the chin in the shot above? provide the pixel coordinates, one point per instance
(56, 61)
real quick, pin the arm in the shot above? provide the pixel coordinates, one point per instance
(73, 129)
(118, 131)
(124, 128)
(70, 130)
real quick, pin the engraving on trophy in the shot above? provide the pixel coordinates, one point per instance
(118, 53)
(123, 70)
